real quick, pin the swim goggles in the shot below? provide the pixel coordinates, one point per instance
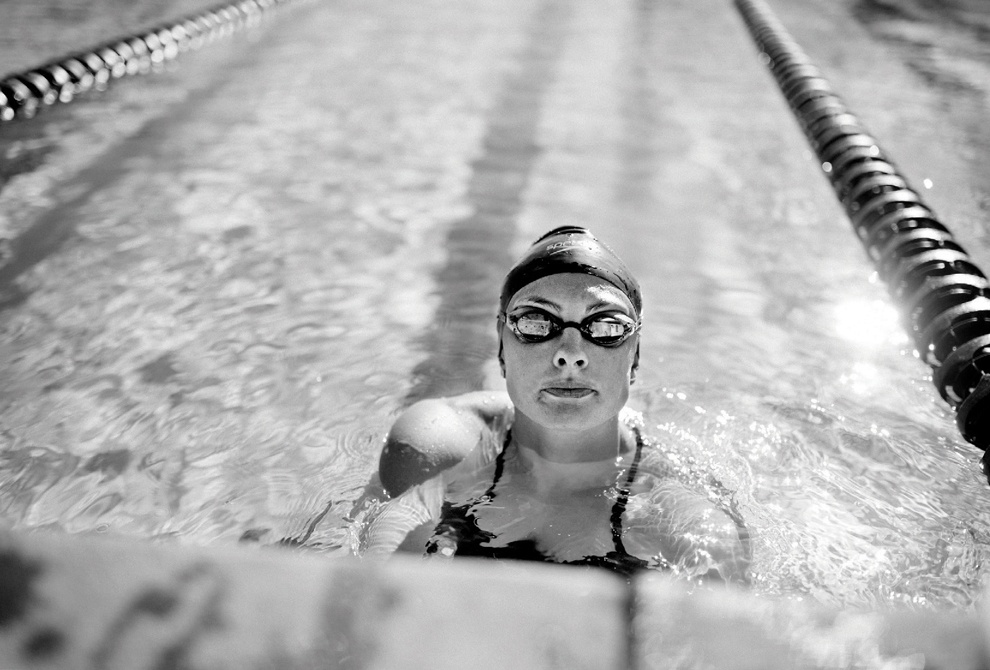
(605, 330)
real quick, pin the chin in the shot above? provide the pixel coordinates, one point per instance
(573, 417)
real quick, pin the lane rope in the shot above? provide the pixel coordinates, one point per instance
(942, 294)
(61, 80)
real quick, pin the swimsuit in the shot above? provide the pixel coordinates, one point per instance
(458, 532)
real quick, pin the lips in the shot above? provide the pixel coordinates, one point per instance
(568, 390)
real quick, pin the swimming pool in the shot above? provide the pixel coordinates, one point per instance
(272, 248)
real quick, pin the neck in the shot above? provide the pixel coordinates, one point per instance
(603, 442)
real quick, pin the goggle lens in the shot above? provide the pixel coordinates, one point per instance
(605, 330)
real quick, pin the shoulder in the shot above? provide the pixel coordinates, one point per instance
(451, 418)
(437, 433)
(486, 405)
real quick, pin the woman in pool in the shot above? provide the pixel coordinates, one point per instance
(557, 469)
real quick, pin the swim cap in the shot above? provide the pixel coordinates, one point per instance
(570, 249)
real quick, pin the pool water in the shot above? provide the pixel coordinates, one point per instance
(242, 268)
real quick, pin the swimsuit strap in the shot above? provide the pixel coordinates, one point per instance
(620, 503)
(499, 468)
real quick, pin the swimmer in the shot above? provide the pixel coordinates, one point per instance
(557, 469)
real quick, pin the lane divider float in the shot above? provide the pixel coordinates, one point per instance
(24, 94)
(943, 296)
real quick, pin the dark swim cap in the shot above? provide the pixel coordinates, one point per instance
(570, 249)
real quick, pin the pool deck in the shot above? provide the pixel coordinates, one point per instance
(175, 606)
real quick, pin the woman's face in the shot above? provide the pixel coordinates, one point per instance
(568, 382)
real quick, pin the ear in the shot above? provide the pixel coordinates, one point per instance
(635, 366)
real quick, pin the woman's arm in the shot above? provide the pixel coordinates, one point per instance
(404, 523)
(435, 434)
(699, 538)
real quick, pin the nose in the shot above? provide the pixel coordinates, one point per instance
(571, 352)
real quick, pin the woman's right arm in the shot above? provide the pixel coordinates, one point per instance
(435, 434)
(429, 438)
(404, 523)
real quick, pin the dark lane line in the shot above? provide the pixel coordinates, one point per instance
(462, 337)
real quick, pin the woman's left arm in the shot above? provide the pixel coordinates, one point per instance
(700, 539)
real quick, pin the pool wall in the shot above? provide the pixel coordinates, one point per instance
(88, 602)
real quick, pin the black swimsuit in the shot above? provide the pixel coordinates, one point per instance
(458, 532)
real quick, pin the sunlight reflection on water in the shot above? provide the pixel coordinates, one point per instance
(869, 323)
